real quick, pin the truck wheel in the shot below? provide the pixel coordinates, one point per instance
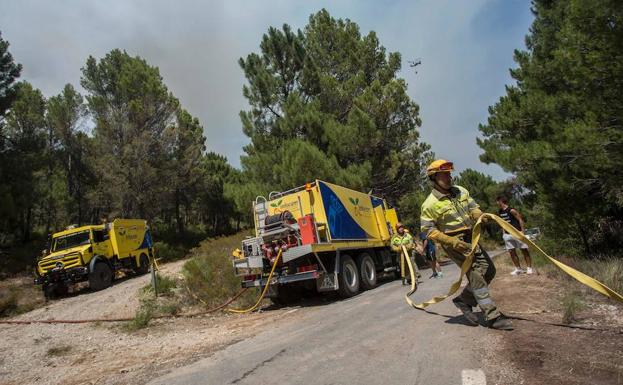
(143, 268)
(101, 276)
(348, 277)
(367, 271)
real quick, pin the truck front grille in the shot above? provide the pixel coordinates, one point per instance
(68, 261)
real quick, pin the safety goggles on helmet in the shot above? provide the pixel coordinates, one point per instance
(448, 166)
(439, 165)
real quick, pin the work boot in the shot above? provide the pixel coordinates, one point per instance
(500, 323)
(470, 317)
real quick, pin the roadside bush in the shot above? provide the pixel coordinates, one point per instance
(168, 252)
(8, 304)
(165, 284)
(142, 317)
(209, 275)
(571, 304)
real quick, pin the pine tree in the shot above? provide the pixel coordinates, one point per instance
(560, 127)
(326, 103)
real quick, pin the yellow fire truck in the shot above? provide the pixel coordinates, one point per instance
(94, 253)
(331, 238)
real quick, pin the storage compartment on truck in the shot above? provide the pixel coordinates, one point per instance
(307, 227)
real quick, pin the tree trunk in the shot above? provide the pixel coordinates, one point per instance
(27, 225)
(584, 237)
(178, 213)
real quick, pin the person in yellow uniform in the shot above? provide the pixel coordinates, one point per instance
(403, 237)
(447, 217)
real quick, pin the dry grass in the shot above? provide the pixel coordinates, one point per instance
(607, 270)
(19, 295)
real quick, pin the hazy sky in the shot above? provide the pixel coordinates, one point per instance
(466, 49)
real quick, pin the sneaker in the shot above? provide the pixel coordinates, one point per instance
(435, 275)
(470, 317)
(500, 323)
(529, 270)
(516, 271)
(439, 275)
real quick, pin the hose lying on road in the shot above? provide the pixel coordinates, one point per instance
(581, 277)
(82, 321)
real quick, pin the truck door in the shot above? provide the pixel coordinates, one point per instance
(101, 243)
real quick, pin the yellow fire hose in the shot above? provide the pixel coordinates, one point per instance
(270, 276)
(583, 278)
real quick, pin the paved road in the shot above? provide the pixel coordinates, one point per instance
(373, 338)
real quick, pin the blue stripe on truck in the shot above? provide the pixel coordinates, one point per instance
(341, 224)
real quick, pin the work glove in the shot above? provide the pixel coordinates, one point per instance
(454, 243)
(476, 213)
(460, 246)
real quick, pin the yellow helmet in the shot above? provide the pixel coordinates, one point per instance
(439, 165)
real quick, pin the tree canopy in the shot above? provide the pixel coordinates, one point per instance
(326, 103)
(559, 128)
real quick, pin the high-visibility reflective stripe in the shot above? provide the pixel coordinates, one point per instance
(426, 224)
(484, 301)
(482, 291)
(453, 227)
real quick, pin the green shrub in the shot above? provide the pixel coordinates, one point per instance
(165, 285)
(169, 308)
(209, 274)
(143, 315)
(571, 304)
(168, 252)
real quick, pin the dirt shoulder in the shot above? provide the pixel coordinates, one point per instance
(107, 353)
(540, 352)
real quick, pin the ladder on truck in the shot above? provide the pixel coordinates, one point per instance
(260, 212)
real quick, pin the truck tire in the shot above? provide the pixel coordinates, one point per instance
(367, 271)
(101, 276)
(348, 278)
(143, 268)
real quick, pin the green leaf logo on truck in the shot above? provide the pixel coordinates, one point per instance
(359, 210)
(276, 204)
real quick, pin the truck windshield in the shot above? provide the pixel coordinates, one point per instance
(71, 240)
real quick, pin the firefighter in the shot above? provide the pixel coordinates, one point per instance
(448, 214)
(403, 237)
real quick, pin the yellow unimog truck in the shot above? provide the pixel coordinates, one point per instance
(331, 238)
(93, 253)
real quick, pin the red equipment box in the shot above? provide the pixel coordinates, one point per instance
(308, 230)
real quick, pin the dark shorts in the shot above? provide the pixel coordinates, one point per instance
(431, 256)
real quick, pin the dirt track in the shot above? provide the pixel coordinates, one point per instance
(105, 353)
